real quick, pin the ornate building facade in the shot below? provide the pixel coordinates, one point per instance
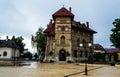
(65, 35)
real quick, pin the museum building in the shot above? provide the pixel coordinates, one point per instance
(67, 39)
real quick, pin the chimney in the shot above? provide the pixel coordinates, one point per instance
(7, 38)
(50, 23)
(70, 9)
(87, 23)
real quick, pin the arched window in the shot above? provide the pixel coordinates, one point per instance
(62, 39)
(78, 42)
(81, 53)
(86, 53)
(4, 53)
(84, 42)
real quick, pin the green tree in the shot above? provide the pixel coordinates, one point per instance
(28, 55)
(19, 42)
(38, 41)
(115, 36)
(99, 56)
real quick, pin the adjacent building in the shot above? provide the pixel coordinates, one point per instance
(8, 50)
(99, 48)
(68, 39)
(113, 50)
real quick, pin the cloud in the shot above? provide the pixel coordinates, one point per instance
(24, 17)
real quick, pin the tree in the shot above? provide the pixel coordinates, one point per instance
(39, 41)
(28, 55)
(19, 42)
(99, 56)
(115, 36)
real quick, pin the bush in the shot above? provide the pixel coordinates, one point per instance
(99, 56)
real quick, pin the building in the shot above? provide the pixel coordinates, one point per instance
(113, 50)
(99, 48)
(8, 50)
(64, 36)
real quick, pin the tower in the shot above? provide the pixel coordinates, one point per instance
(63, 19)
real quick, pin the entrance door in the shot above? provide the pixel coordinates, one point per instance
(62, 55)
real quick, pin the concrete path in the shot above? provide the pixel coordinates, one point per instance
(59, 70)
(106, 71)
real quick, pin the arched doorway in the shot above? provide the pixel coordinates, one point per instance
(62, 55)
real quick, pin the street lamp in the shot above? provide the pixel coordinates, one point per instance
(84, 46)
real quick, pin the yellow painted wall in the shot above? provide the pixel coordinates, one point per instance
(118, 56)
(66, 34)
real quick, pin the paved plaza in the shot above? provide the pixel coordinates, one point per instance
(37, 69)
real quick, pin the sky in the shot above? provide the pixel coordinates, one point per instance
(24, 17)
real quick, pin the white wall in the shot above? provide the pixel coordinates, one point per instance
(17, 53)
(101, 51)
(8, 50)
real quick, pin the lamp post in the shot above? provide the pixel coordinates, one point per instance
(84, 46)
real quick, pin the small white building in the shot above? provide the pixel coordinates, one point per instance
(8, 50)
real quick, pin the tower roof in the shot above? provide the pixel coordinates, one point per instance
(63, 12)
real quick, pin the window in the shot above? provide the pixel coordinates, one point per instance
(59, 28)
(63, 28)
(4, 53)
(86, 53)
(66, 28)
(84, 41)
(62, 39)
(75, 53)
(78, 42)
(81, 53)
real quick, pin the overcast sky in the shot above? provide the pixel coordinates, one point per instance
(24, 17)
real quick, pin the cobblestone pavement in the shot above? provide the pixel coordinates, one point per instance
(59, 70)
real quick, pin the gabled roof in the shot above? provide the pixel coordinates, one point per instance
(8, 43)
(63, 12)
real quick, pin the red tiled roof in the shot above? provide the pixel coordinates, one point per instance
(82, 26)
(63, 12)
(98, 47)
(113, 50)
(50, 30)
